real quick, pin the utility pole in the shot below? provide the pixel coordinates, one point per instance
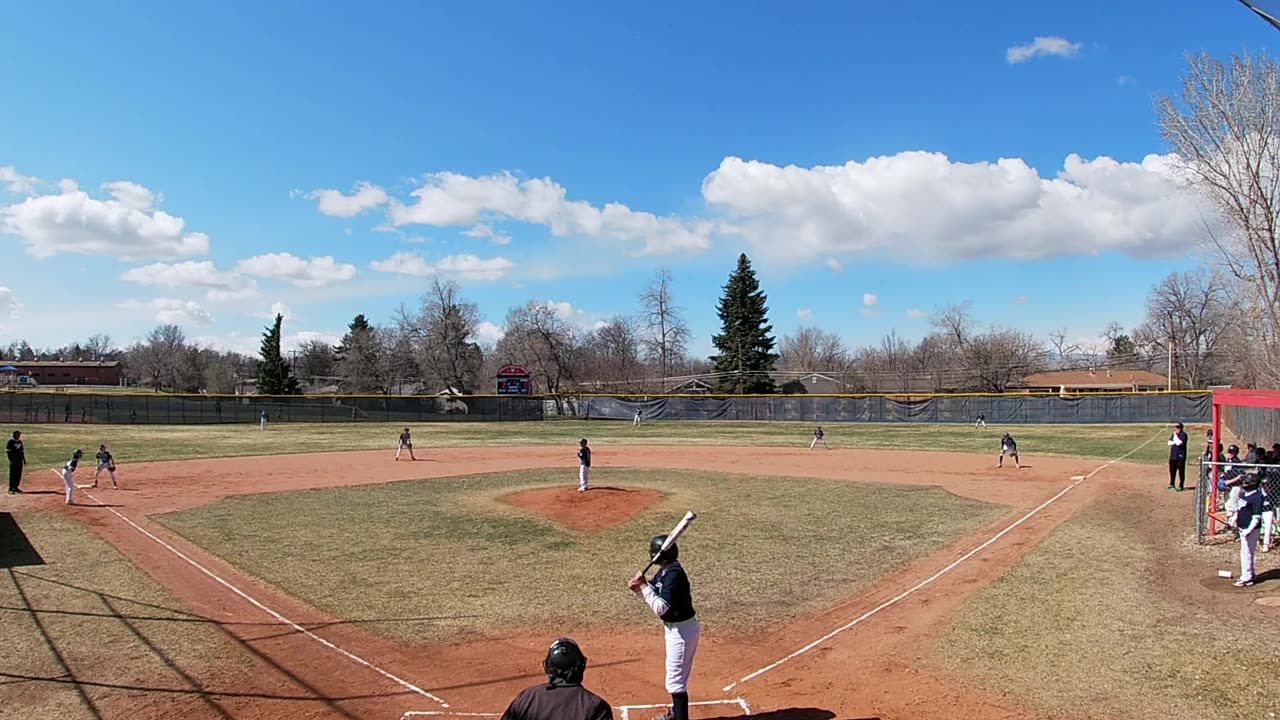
(1169, 376)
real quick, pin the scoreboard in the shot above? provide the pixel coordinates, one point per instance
(514, 380)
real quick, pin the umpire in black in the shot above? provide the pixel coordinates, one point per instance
(562, 697)
(17, 459)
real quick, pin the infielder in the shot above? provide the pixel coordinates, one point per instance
(818, 437)
(108, 463)
(584, 464)
(636, 422)
(671, 599)
(69, 472)
(1008, 447)
(262, 420)
(981, 422)
(406, 443)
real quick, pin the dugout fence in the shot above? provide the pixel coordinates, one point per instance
(1006, 409)
(36, 407)
(1239, 416)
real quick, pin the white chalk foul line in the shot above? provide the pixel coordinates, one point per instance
(444, 713)
(252, 601)
(926, 582)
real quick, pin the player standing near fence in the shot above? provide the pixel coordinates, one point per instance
(584, 464)
(1247, 521)
(262, 419)
(406, 443)
(17, 456)
(670, 597)
(108, 463)
(636, 422)
(981, 422)
(69, 472)
(1178, 458)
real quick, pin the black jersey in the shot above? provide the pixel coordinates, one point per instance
(558, 700)
(672, 585)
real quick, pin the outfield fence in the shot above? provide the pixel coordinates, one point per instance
(1007, 409)
(27, 406)
(165, 409)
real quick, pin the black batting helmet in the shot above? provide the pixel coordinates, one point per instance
(565, 661)
(671, 554)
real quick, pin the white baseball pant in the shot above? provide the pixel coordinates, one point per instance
(1248, 548)
(101, 467)
(583, 472)
(682, 643)
(68, 479)
(1268, 525)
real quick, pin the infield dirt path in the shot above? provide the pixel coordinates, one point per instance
(869, 671)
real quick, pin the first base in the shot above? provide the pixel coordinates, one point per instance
(1077, 477)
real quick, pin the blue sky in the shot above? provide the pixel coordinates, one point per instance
(203, 163)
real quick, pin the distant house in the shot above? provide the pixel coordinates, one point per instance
(692, 386)
(1068, 382)
(811, 384)
(67, 372)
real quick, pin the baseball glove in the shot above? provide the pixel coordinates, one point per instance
(112, 467)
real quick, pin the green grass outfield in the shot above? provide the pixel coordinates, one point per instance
(435, 560)
(52, 444)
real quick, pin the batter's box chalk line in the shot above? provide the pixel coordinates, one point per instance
(623, 710)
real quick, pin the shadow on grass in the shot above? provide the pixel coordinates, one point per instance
(17, 550)
(149, 630)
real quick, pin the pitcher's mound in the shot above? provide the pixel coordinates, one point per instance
(595, 509)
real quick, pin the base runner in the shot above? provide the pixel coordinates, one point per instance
(108, 463)
(69, 473)
(670, 597)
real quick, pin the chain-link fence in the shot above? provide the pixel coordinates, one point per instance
(30, 407)
(1252, 424)
(1009, 409)
(1215, 511)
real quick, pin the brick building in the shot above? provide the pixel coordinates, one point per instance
(58, 372)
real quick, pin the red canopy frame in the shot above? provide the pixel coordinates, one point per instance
(1237, 397)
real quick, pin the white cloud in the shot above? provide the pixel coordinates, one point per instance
(277, 308)
(452, 199)
(1021, 300)
(9, 304)
(131, 195)
(1125, 80)
(868, 312)
(1041, 46)
(76, 222)
(564, 310)
(364, 196)
(487, 232)
(466, 267)
(488, 333)
(247, 292)
(835, 265)
(917, 313)
(804, 313)
(315, 272)
(170, 310)
(15, 182)
(180, 275)
(251, 344)
(67, 185)
(870, 299)
(296, 340)
(984, 209)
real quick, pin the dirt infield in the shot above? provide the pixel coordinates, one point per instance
(596, 509)
(310, 665)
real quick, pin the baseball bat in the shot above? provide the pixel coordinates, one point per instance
(672, 537)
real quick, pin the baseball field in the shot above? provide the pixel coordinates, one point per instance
(302, 572)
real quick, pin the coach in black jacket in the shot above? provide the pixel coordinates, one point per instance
(1178, 458)
(17, 459)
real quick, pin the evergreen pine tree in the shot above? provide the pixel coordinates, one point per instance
(275, 377)
(745, 343)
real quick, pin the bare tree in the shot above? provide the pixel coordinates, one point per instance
(612, 355)
(1062, 348)
(99, 347)
(360, 361)
(1190, 313)
(810, 349)
(954, 323)
(443, 335)
(896, 361)
(158, 357)
(314, 360)
(1000, 357)
(1225, 125)
(667, 335)
(537, 337)
(936, 361)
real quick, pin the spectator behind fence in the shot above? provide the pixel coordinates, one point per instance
(562, 697)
